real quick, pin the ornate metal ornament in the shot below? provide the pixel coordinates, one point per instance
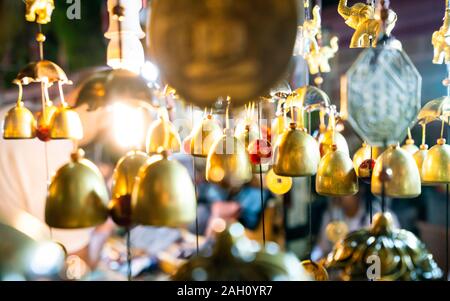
(383, 94)
(211, 48)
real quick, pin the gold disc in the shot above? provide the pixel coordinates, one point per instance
(211, 48)
(278, 184)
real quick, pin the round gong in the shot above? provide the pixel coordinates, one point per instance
(211, 48)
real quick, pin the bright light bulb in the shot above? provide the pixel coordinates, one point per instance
(128, 125)
(150, 72)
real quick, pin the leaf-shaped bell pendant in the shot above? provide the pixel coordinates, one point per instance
(405, 179)
(77, 195)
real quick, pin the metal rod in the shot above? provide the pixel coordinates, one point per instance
(309, 183)
(194, 174)
(263, 218)
(129, 274)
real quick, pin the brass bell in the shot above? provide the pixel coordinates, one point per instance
(124, 177)
(228, 163)
(19, 122)
(204, 136)
(405, 180)
(66, 124)
(163, 134)
(296, 153)
(419, 157)
(332, 137)
(163, 194)
(77, 195)
(362, 154)
(336, 175)
(436, 165)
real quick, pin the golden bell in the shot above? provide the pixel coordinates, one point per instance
(328, 140)
(296, 153)
(77, 195)
(336, 175)
(163, 194)
(66, 124)
(419, 157)
(410, 147)
(362, 154)
(436, 165)
(204, 136)
(228, 163)
(126, 171)
(405, 180)
(19, 123)
(163, 134)
(44, 119)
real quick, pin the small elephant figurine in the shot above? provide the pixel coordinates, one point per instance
(39, 11)
(319, 60)
(306, 39)
(440, 41)
(361, 17)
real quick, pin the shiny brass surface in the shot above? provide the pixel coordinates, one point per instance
(362, 154)
(77, 195)
(39, 11)
(435, 110)
(296, 153)
(316, 270)
(204, 136)
(332, 137)
(367, 25)
(163, 194)
(228, 163)
(410, 147)
(278, 184)
(405, 181)
(66, 124)
(229, 261)
(105, 87)
(419, 157)
(125, 173)
(19, 123)
(162, 134)
(42, 71)
(336, 175)
(402, 255)
(220, 47)
(436, 165)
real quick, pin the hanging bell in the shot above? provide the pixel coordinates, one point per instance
(66, 124)
(409, 146)
(419, 157)
(44, 119)
(297, 153)
(124, 177)
(362, 154)
(228, 163)
(204, 136)
(327, 140)
(77, 195)
(436, 165)
(163, 134)
(19, 123)
(163, 194)
(336, 175)
(405, 179)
